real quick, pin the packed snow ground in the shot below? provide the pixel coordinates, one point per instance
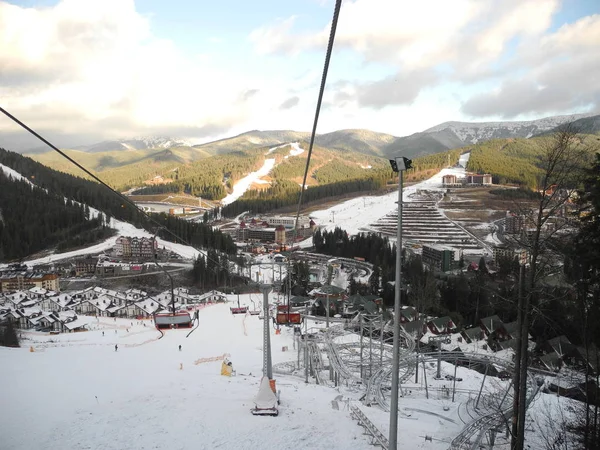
(74, 391)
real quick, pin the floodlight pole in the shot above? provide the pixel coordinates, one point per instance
(267, 365)
(397, 165)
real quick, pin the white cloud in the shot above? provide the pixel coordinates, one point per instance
(560, 74)
(426, 44)
(96, 65)
(417, 35)
(96, 68)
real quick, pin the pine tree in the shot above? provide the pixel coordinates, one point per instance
(8, 337)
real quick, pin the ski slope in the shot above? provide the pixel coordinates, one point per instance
(357, 213)
(75, 392)
(240, 188)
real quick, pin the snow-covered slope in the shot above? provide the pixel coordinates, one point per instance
(357, 213)
(136, 143)
(13, 174)
(255, 177)
(473, 132)
(75, 391)
(123, 229)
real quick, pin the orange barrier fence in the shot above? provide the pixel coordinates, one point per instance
(212, 359)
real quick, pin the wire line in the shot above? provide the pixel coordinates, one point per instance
(118, 194)
(336, 14)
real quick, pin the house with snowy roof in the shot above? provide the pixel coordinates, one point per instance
(46, 321)
(30, 303)
(212, 297)
(416, 328)
(78, 324)
(408, 314)
(164, 298)
(97, 306)
(117, 311)
(37, 292)
(27, 314)
(135, 295)
(16, 298)
(441, 325)
(85, 294)
(471, 335)
(13, 315)
(146, 308)
(55, 303)
(493, 325)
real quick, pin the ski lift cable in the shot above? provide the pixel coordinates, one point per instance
(336, 13)
(118, 194)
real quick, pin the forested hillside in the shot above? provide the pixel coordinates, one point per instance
(344, 174)
(97, 196)
(210, 177)
(32, 219)
(284, 193)
(516, 161)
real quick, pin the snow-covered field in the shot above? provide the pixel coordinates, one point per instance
(75, 392)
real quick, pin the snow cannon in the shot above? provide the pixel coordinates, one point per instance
(227, 368)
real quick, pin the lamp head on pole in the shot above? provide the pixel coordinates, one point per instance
(400, 164)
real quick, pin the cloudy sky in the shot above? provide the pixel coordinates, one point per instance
(82, 70)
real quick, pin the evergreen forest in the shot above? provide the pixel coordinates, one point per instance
(34, 219)
(80, 191)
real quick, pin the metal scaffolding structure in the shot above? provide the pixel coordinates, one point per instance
(368, 365)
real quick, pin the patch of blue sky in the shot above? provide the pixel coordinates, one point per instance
(572, 10)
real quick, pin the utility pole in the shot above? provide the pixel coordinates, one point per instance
(306, 345)
(381, 342)
(361, 347)
(327, 312)
(400, 164)
(267, 365)
(371, 346)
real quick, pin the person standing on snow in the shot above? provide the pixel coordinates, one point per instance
(116, 347)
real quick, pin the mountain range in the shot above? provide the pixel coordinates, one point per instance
(442, 137)
(137, 143)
